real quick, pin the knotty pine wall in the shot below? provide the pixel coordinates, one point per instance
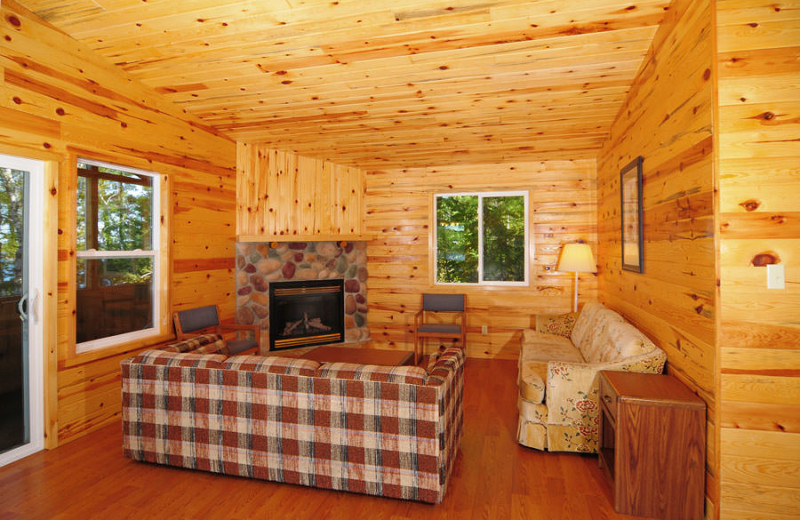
(59, 101)
(667, 119)
(399, 211)
(281, 194)
(759, 215)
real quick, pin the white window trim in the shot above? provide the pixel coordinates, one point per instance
(481, 195)
(155, 253)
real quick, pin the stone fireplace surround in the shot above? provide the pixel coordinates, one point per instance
(258, 264)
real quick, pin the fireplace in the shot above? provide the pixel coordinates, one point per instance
(305, 313)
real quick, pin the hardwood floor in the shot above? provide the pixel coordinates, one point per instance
(494, 477)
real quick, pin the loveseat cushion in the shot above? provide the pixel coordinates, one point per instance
(204, 343)
(273, 365)
(179, 359)
(538, 346)
(404, 374)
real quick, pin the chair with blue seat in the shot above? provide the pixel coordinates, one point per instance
(205, 320)
(427, 323)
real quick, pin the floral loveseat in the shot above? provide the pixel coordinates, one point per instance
(389, 431)
(558, 379)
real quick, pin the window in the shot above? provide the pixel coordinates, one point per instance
(118, 255)
(481, 238)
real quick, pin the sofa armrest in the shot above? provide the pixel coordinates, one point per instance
(573, 388)
(558, 324)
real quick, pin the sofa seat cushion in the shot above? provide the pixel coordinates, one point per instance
(388, 374)
(273, 365)
(533, 374)
(537, 346)
(179, 359)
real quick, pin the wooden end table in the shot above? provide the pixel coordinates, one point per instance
(653, 445)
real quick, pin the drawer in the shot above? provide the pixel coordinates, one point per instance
(608, 396)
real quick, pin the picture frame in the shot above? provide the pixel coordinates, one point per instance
(632, 225)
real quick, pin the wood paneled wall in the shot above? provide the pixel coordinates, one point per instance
(399, 211)
(280, 194)
(759, 211)
(58, 101)
(667, 119)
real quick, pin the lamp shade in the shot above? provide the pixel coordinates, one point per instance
(577, 258)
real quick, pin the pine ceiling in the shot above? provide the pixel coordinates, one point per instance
(382, 84)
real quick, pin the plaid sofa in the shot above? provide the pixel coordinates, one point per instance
(388, 431)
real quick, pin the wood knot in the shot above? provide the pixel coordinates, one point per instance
(750, 204)
(765, 258)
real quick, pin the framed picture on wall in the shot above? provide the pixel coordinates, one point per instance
(630, 179)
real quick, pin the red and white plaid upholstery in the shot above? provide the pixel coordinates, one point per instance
(383, 438)
(202, 344)
(389, 374)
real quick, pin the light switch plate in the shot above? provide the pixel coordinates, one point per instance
(776, 276)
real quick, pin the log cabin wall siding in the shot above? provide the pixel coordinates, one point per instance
(667, 119)
(759, 168)
(399, 211)
(281, 195)
(59, 101)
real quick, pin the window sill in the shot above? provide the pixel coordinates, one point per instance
(115, 350)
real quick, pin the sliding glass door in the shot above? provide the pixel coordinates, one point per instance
(21, 353)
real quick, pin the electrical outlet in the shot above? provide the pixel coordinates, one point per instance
(776, 276)
(484, 330)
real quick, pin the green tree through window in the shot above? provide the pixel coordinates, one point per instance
(117, 253)
(481, 238)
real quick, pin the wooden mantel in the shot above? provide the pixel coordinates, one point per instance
(307, 238)
(284, 197)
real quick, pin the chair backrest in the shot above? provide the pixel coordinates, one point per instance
(198, 318)
(443, 302)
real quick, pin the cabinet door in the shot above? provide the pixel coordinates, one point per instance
(660, 461)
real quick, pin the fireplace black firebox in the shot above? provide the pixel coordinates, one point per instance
(305, 313)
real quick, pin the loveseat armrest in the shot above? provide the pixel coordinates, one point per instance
(558, 324)
(573, 389)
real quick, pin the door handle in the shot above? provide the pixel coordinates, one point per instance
(21, 307)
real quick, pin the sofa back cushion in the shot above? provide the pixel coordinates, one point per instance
(607, 337)
(273, 365)
(624, 341)
(584, 325)
(179, 359)
(389, 374)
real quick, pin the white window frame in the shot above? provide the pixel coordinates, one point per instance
(481, 195)
(155, 253)
(35, 374)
